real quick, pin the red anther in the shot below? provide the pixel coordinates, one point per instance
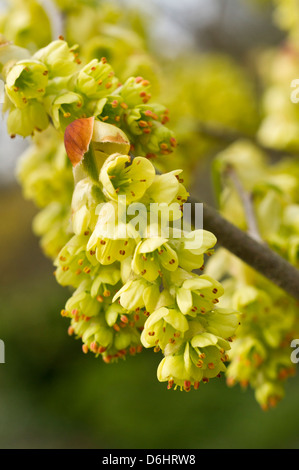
(106, 293)
(100, 298)
(170, 384)
(215, 291)
(145, 83)
(101, 349)
(150, 155)
(94, 347)
(136, 317)
(230, 381)
(187, 386)
(124, 319)
(103, 60)
(116, 327)
(151, 333)
(124, 105)
(139, 348)
(205, 380)
(196, 385)
(61, 37)
(244, 383)
(107, 359)
(211, 365)
(164, 146)
(85, 348)
(108, 85)
(71, 330)
(138, 79)
(132, 350)
(123, 352)
(114, 104)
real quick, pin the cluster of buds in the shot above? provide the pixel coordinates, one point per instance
(53, 85)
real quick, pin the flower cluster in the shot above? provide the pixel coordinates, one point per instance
(260, 356)
(47, 91)
(52, 85)
(136, 286)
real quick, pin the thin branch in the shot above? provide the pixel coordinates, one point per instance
(247, 202)
(228, 135)
(258, 256)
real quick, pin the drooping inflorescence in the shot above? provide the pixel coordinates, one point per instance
(132, 287)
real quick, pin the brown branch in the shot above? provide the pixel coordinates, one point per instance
(256, 255)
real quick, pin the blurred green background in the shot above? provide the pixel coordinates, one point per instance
(53, 396)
